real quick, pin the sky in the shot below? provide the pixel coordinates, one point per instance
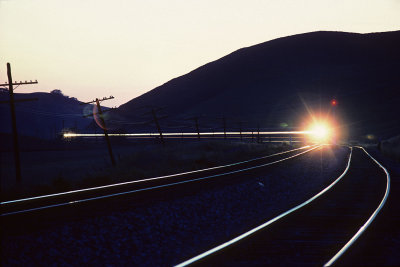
(124, 48)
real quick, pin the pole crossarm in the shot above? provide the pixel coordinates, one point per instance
(20, 83)
(99, 100)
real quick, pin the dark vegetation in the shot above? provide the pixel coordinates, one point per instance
(60, 170)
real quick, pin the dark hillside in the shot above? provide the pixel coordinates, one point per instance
(45, 117)
(270, 83)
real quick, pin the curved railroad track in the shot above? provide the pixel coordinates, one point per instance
(316, 232)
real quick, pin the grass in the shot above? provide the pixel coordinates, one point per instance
(391, 148)
(51, 172)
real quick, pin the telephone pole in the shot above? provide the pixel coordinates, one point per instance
(155, 119)
(157, 125)
(196, 124)
(196, 121)
(224, 126)
(240, 130)
(14, 120)
(103, 124)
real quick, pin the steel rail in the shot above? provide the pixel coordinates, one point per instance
(145, 180)
(252, 231)
(155, 187)
(370, 219)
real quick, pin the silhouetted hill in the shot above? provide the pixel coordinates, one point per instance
(45, 117)
(272, 83)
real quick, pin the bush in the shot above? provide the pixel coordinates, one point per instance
(57, 92)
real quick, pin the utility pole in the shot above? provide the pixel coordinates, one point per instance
(157, 125)
(196, 121)
(196, 124)
(258, 133)
(105, 129)
(240, 130)
(224, 126)
(14, 120)
(103, 124)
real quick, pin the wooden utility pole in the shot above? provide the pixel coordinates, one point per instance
(196, 121)
(103, 125)
(14, 120)
(196, 124)
(105, 130)
(240, 130)
(157, 125)
(224, 125)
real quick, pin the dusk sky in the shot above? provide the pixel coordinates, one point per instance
(96, 48)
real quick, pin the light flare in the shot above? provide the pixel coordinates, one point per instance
(320, 132)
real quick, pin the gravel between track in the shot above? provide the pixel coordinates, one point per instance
(168, 232)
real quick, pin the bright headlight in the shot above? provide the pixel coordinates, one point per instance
(320, 131)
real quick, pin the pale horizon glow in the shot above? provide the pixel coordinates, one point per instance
(124, 48)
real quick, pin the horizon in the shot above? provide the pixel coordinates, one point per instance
(91, 57)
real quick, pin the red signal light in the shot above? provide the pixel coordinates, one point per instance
(333, 102)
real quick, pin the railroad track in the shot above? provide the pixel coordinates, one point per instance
(78, 197)
(316, 232)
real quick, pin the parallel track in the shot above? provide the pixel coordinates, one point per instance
(75, 197)
(313, 231)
